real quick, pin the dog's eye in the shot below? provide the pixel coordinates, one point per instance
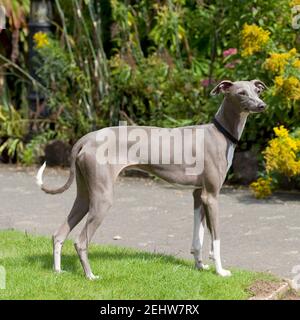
(242, 93)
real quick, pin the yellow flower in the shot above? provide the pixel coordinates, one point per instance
(278, 61)
(296, 63)
(262, 188)
(288, 87)
(294, 3)
(281, 153)
(254, 38)
(41, 39)
(279, 82)
(281, 132)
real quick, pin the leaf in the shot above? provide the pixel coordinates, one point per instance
(12, 147)
(3, 146)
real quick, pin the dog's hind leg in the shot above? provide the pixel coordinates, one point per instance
(100, 186)
(198, 233)
(99, 206)
(78, 211)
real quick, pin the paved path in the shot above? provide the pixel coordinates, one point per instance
(256, 234)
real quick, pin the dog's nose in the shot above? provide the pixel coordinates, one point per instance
(262, 106)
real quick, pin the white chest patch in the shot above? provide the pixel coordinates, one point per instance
(230, 153)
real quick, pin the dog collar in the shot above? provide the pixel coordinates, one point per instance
(225, 132)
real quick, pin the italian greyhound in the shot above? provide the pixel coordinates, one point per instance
(95, 180)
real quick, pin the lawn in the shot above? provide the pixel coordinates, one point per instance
(124, 274)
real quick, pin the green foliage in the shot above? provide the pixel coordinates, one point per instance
(33, 150)
(156, 94)
(160, 65)
(186, 39)
(12, 132)
(168, 30)
(14, 141)
(67, 89)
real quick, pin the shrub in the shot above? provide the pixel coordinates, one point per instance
(282, 158)
(161, 60)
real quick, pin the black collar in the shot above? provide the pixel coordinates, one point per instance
(226, 133)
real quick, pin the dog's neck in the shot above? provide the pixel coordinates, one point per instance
(231, 118)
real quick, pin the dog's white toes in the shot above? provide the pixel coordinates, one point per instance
(205, 267)
(224, 273)
(93, 277)
(201, 266)
(59, 271)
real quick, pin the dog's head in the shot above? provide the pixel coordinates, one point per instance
(244, 94)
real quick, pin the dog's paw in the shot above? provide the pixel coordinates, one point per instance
(205, 267)
(201, 266)
(59, 271)
(92, 277)
(224, 273)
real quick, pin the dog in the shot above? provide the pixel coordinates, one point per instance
(95, 178)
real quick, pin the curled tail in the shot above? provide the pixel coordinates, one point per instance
(39, 177)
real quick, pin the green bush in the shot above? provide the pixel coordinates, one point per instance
(154, 63)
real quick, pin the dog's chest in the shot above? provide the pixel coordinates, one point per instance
(230, 154)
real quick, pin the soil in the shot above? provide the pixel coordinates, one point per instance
(262, 288)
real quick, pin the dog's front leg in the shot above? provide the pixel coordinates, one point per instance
(210, 204)
(198, 233)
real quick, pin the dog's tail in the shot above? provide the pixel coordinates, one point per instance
(39, 177)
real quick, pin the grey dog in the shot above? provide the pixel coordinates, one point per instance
(95, 179)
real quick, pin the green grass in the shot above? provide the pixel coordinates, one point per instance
(124, 274)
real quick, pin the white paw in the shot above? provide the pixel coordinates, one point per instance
(224, 273)
(205, 266)
(201, 266)
(92, 277)
(59, 271)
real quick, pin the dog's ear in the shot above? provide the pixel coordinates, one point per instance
(259, 85)
(223, 87)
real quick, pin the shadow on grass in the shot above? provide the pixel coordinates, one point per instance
(71, 261)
